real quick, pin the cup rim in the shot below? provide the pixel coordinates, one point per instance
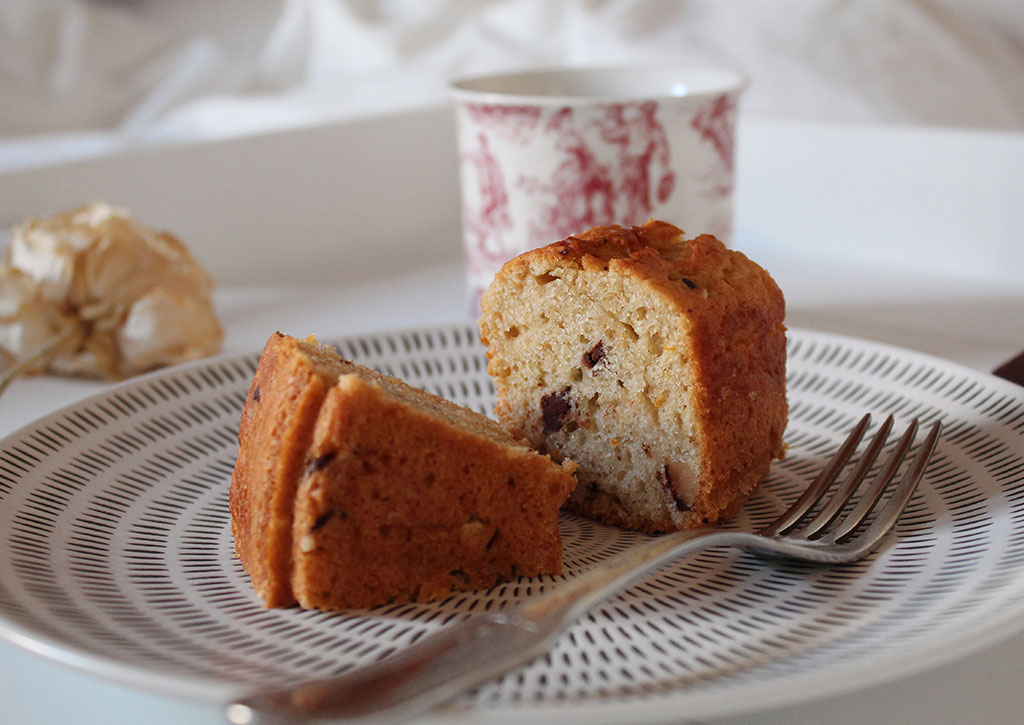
(491, 88)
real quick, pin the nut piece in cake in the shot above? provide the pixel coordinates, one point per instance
(353, 489)
(656, 363)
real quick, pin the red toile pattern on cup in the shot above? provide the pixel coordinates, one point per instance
(537, 168)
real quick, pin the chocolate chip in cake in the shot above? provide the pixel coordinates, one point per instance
(595, 355)
(689, 282)
(554, 407)
(256, 394)
(321, 520)
(320, 462)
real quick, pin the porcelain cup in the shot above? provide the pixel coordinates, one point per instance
(547, 154)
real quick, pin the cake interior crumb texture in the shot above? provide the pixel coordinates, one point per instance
(654, 362)
(354, 489)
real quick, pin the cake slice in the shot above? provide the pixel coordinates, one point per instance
(656, 363)
(353, 489)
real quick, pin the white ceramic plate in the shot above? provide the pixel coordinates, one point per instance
(118, 560)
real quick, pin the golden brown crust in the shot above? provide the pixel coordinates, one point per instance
(723, 312)
(274, 432)
(379, 492)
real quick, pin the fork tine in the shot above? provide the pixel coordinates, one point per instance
(835, 504)
(870, 498)
(820, 484)
(888, 516)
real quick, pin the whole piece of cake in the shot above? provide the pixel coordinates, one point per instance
(656, 363)
(354, 489)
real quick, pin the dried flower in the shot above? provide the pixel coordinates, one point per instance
(95, 292)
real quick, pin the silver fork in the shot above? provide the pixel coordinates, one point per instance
(444, 665)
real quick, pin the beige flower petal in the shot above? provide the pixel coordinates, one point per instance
(27, 322)
(166, 326)
(46, 257)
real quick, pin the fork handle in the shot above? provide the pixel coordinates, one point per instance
(567, 602)
(446, 664)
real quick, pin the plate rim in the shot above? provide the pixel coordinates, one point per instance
(804, 688)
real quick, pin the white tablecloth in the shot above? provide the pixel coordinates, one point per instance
(85, 78)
